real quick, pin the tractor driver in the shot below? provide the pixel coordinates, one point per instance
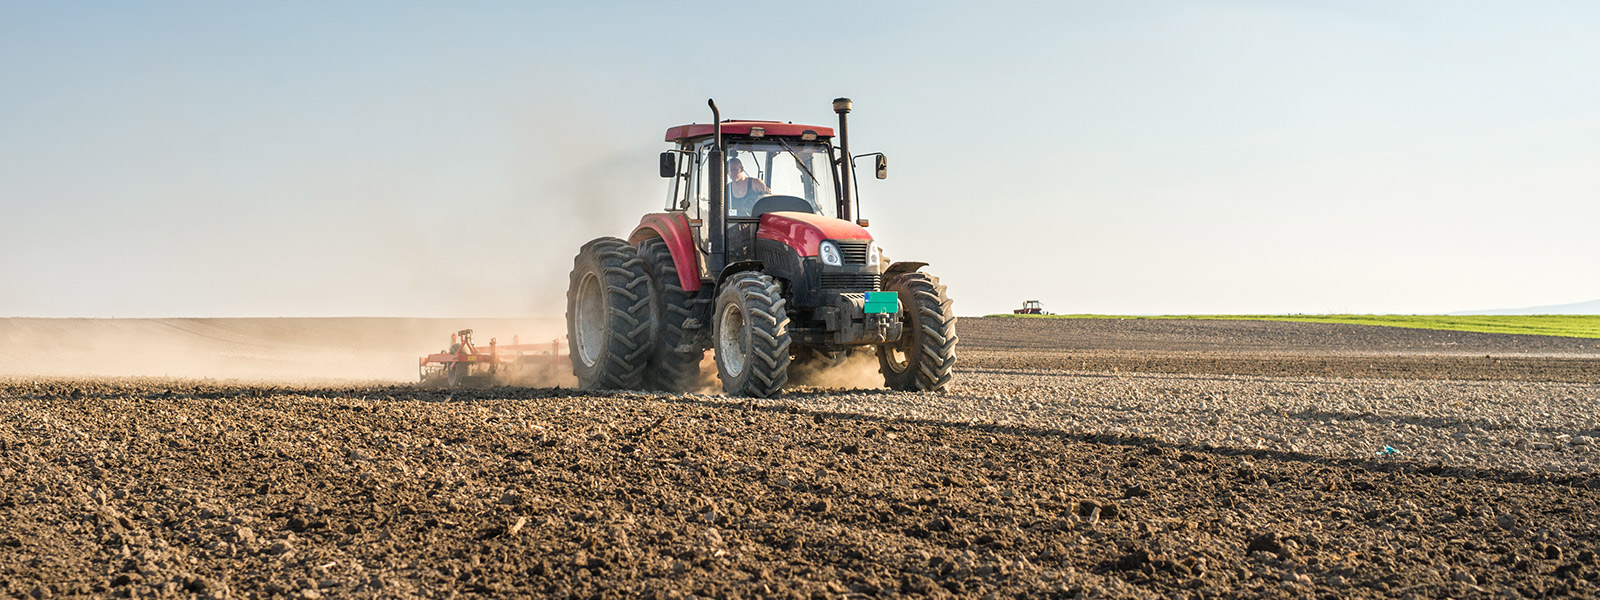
(743, 190)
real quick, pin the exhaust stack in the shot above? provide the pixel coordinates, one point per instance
(842, 106)
(718, 174)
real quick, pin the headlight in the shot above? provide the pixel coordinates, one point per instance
(829, 252)
(873, 256)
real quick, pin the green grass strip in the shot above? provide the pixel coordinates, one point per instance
(1578, 326)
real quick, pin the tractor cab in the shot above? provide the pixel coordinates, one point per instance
(768, 167)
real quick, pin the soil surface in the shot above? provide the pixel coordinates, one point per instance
(1274, 348)
(1032, 477)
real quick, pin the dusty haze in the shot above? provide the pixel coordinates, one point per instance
(265, 349)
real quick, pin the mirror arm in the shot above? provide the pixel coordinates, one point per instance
(855, 181)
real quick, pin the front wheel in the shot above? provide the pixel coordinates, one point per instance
(924, 357)
(751, 336)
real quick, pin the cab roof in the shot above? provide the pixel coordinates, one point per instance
(731, 127)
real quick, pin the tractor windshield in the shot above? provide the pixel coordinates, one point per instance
(796, 176)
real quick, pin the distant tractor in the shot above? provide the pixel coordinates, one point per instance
(760, 257)
(1030, 307)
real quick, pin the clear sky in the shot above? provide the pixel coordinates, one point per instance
(408, 159)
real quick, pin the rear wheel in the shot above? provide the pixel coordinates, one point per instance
(925, 356)
(751, 336)
(675, 359)
(455, 375)
(608, 316)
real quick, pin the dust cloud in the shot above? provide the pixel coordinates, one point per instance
(297, 350)
(858, 371)
(318, 350)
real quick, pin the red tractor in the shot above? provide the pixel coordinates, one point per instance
(1029, 307)
(760, 258)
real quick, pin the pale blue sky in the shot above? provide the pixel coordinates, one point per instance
(300, 159)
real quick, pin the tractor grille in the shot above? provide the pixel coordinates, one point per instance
(850, 282)
(853, 251)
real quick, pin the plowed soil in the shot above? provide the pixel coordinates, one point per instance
(179, 488)
(1276, 348)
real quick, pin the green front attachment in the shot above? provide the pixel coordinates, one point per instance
(882, 303)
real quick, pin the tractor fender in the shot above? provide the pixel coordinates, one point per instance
(903, 267)
(672, 228)
(738, 267)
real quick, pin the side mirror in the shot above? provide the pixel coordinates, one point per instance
(882, 167)
(669, 164)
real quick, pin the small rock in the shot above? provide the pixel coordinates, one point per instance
(851, 449)
(198, 585)
(1464, 577)
(1552, 552)
(1134, 560)
(1583, 440)
(280, 547)
(1267, 542)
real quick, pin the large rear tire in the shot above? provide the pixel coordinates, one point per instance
(675, 358)
(609, 326)
(925, 356)
(751, 336)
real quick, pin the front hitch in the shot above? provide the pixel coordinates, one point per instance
(863, 318)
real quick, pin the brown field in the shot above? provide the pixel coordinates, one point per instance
(1071, 458)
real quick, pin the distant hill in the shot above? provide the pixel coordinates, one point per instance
(1591, 307)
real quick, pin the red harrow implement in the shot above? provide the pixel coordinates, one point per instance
(465, 364)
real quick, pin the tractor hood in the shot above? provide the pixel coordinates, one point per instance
(804, 231)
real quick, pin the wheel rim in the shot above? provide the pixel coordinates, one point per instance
(898, 355)
(590, 320)
(899, 360)
(731, 341)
